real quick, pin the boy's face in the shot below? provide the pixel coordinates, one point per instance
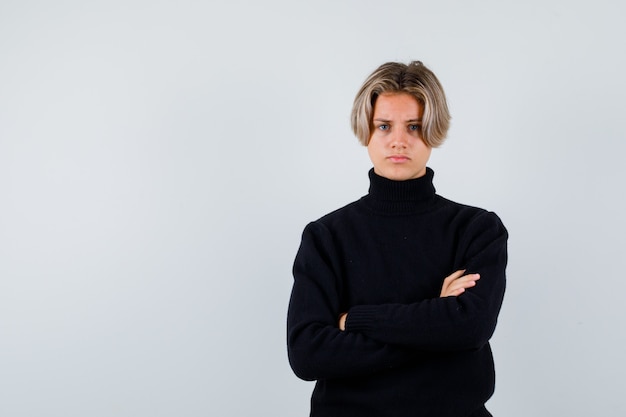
(396, 147)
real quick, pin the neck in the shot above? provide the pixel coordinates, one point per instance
(399, 197)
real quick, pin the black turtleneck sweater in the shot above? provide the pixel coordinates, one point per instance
(405, 351)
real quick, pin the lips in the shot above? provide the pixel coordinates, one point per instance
(398, 158)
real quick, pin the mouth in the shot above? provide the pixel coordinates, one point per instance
(398, 158)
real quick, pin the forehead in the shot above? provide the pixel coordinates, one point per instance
(397, 105)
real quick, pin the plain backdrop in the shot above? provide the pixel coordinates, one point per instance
(159, 160)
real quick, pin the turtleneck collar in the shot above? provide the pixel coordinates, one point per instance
(400, 197)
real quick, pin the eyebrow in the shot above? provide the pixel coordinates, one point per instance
(408, 121)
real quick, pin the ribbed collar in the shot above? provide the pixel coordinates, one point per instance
(400, 197)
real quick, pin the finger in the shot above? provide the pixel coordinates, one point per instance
(450, 285)
(463, 284)
(455, 275)
(467, 279)
(453, 293)
(470, 277)
(342, 321)
(461, 281)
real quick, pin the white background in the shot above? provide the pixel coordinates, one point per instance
(159, 160)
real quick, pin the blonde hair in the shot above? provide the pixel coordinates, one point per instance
(414, 79)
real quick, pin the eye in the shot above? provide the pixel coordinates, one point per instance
(383, 126)
(415, 128)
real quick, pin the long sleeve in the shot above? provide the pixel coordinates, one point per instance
(382, 260)
(317, 348)
(451, 323)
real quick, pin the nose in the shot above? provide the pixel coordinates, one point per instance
(399, 140)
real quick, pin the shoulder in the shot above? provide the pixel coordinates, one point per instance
(338, 216)
(472, 213)
(336, 224)
(474, 222)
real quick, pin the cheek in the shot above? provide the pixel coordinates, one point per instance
(423, 148)
(373, 151)
(428, 152)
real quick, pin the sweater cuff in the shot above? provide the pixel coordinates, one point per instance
(360, 318)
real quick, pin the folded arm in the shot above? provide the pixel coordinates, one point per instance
(317, 348)
(465, 315)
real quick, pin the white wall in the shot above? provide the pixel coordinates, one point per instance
(158, 161)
